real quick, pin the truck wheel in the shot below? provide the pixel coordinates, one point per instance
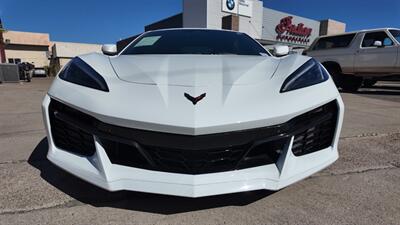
(369, 83)
(350, 83)
(335, 74)
(346, 82)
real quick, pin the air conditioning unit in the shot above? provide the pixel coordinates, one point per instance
(9, 73)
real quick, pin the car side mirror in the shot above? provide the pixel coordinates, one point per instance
(281, 50)
(378, 44)
(109, 49)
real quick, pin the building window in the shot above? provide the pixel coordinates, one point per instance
(14, 61)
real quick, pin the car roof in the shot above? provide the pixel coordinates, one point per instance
(359, 31)
(205, 29)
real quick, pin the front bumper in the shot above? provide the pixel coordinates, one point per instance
(99, 170)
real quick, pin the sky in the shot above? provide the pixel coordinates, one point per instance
(101, 21)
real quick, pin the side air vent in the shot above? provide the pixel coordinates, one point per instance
(69, 136)
(320, 134)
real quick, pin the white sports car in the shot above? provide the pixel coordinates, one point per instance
(193, 112)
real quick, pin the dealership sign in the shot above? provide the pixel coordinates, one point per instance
(238, 7)
(287, 31)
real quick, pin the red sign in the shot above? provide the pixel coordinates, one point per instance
(287, 31)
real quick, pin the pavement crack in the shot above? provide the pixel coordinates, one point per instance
(8, 134)
(67, 204)
(13, 162)
(331, 174)
(366, 135)
(395, 164)
(19, 113)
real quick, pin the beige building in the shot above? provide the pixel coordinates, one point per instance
(330, 27)
(27, 47)
(63, 52)
(37, 49)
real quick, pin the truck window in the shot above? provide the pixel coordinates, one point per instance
(340, 41)
(396, 34)
(381, 36)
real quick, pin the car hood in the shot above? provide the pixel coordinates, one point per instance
(194, 70)
(165, 108)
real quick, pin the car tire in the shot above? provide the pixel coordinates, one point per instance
(369, 83)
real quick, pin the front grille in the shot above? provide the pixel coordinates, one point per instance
(73, 131)
(193, 161)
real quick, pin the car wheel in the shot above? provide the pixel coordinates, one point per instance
(369, 83)
(350, 83)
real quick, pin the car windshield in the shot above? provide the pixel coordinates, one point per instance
(396, 34)
(207, 42)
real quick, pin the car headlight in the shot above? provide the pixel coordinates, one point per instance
(78, 72)
(309, 74)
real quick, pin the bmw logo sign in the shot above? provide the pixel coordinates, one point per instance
(230, 4)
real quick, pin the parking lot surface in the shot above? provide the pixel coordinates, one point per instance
(362, 187)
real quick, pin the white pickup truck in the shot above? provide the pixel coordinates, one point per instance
(359, 58)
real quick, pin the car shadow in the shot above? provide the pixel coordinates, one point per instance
(153, 203)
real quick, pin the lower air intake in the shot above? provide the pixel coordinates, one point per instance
(319, 135)
(69, 136)
(188, 161)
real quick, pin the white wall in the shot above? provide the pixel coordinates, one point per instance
(253, 26)
(209, 14)
(250, 25)
(214, 14)
(70, 50)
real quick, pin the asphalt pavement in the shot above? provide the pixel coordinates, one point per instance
(362, 187)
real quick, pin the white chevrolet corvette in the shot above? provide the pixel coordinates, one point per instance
(193, 112)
